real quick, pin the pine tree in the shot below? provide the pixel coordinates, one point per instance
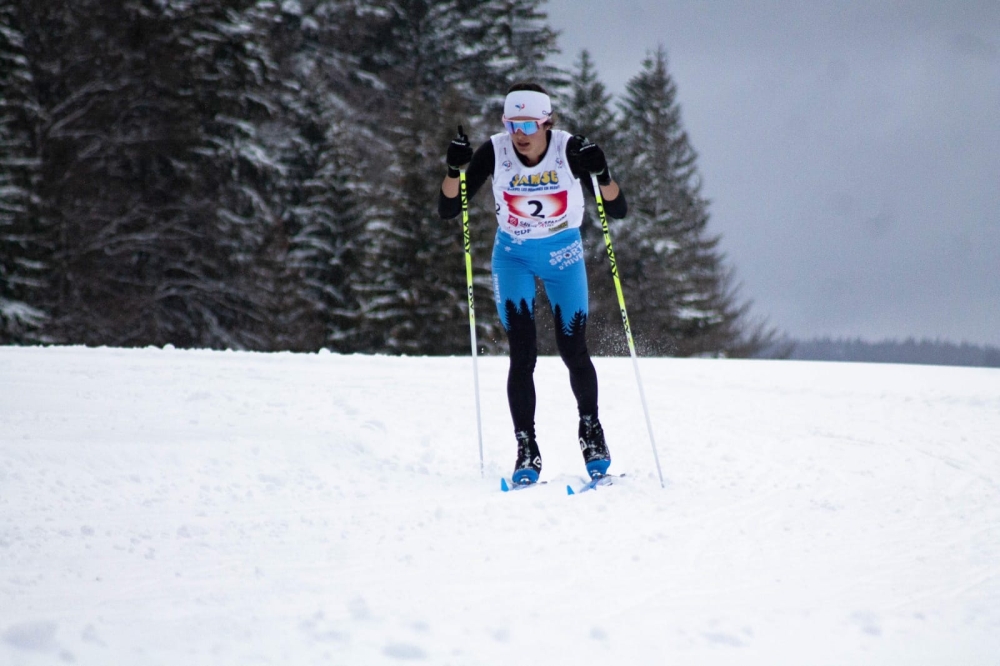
(223, 49)
(411, 301)
(680, 296)
(22, 268)
(324, 184)
(522, 42)
(322, 205)
(587, 110)
(87, 148)
(152, 175)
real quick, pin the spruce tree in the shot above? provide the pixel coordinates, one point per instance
(680, 295)
(90, 150)
(411, 299)
(222, 48)
(522, 43)
(587, 109)
(322, 208)
(23, 274)
(323, 186)
(152, 176)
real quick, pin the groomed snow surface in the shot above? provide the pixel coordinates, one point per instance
(196, 507)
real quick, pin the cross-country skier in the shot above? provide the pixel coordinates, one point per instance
(538, 178)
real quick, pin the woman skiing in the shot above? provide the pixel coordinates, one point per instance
(538, 178)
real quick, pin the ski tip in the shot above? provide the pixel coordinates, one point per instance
(569, 490)
(503, 485)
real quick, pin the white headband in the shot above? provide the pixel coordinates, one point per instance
(527, 104)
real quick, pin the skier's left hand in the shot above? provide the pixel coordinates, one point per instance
(590, 159)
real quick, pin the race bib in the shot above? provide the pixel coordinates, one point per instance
(537, 206)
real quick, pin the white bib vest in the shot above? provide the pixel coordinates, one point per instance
(538, 201)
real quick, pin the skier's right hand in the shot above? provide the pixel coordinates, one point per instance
(459, 151)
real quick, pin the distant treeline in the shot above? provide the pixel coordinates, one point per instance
(923, 352)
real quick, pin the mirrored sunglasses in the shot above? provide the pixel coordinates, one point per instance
(528, 127)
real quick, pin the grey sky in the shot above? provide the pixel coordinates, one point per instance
(851, 150)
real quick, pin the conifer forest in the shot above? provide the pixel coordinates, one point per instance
(264, 174)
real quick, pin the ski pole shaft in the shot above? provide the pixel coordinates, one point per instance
(628, 327)
(467, 240)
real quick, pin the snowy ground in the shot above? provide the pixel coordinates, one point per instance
(169, 507)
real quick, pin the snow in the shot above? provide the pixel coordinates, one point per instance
(197, 507)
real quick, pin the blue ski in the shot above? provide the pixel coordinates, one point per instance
(602, 480)
(508, 486)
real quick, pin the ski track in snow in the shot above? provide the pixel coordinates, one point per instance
(197, 507)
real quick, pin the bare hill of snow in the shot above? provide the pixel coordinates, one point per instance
(195, 507)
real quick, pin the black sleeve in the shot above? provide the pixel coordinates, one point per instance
(617, 207)
(479, 170)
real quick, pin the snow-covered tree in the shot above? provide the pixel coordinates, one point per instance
(680, 294)
(587, 108)
(222, 48)
(22, 238)
(522, 43)
(311, 134)
(155, 174)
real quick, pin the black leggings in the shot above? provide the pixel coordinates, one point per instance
(571, 340)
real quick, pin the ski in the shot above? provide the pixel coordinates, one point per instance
(509, 486)
(593, 484)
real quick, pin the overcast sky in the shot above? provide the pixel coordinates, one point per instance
(851, 150)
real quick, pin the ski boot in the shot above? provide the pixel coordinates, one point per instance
(529, 460)
(595, 450)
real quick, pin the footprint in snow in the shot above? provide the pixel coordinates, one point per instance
(404, 651)
(32, 636)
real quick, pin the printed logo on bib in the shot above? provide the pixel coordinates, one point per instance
(534, 180)
(537, 206)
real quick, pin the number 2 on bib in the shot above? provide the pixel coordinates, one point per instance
(537, 206)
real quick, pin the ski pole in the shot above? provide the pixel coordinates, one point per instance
(472, 307)
(628, 327)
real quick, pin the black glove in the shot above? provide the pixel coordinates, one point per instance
(459, 153)
(589, 158)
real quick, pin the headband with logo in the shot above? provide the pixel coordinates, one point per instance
(527, 104)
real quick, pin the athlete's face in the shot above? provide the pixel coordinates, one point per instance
(530, 146)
